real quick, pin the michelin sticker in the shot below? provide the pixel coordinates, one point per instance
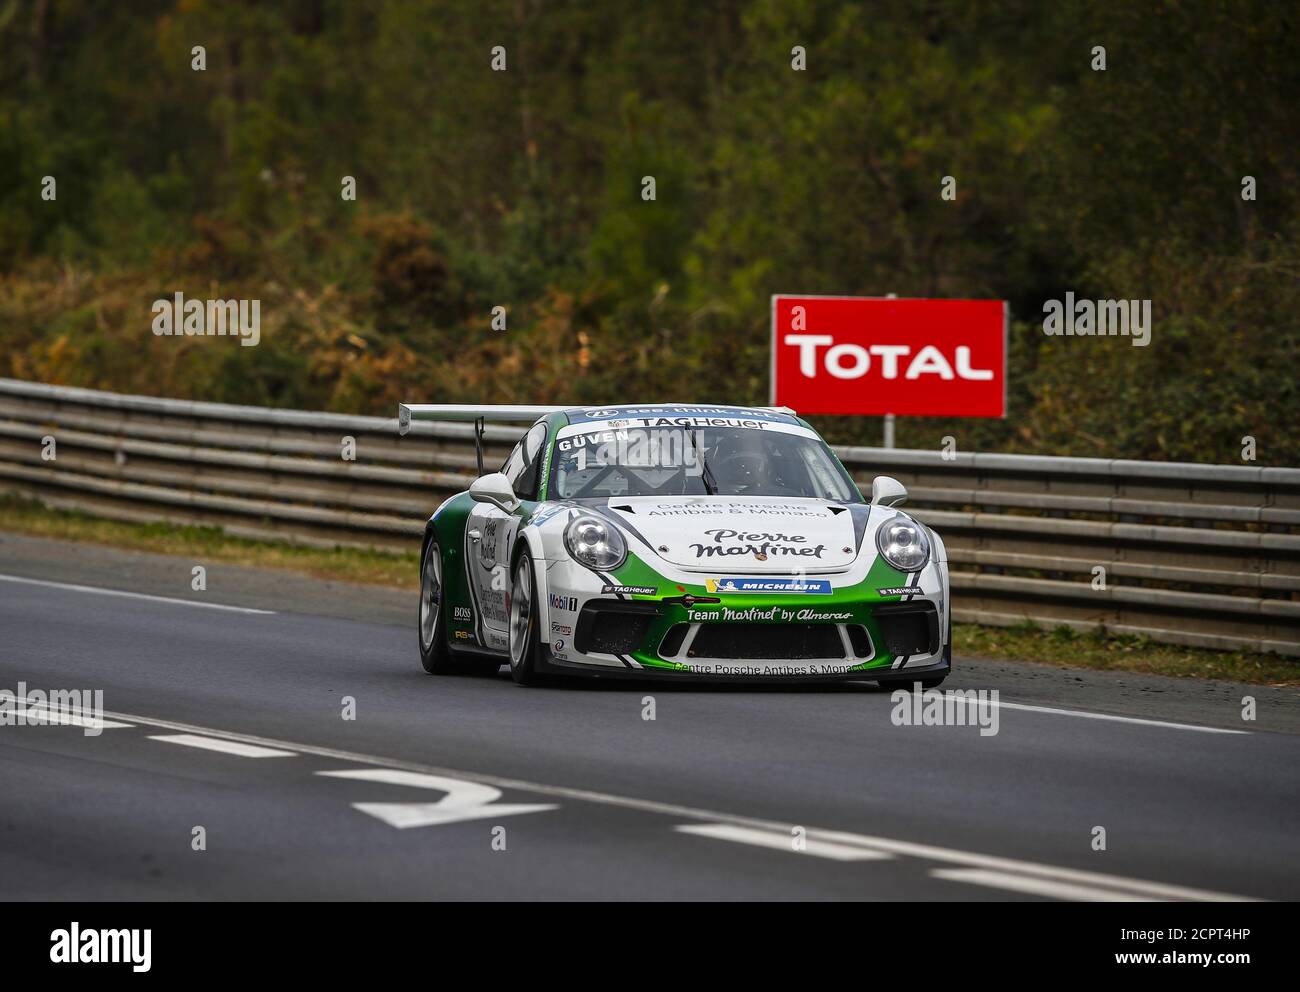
(815, 587)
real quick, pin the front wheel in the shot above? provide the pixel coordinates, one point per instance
(524, 649)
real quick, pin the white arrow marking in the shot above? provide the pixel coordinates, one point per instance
(463, 800)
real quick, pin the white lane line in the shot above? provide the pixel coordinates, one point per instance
(1136, 886)
(131, 595)
(1029, 876)
(778, 841)
(224, 746)
(1093, 716)
(897, 847)
(1036, 886)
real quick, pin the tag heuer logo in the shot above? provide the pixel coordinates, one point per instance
(628, 590)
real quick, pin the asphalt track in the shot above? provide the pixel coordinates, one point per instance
(233, 721)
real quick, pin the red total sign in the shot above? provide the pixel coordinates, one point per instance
(861, 355)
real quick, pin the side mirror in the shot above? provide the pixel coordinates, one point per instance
(494, 489)
(887, 491)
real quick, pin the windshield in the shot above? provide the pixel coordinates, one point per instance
(697, 461)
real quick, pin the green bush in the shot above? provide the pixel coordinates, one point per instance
(522, 189)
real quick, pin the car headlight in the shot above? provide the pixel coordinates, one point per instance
(903, 544)
(594, 543)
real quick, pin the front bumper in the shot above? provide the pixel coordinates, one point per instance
(684, 632)
(883, 676)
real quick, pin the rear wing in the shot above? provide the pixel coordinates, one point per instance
(407, 413)
(476, 414)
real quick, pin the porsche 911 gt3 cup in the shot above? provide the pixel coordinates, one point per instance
(680, 542)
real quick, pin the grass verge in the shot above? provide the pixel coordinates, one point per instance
(1067, 648)
(399, 570)
(1062, 647)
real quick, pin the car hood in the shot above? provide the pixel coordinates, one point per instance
(744, 534)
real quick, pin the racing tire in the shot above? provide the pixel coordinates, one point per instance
(525, 647)
(435, 656)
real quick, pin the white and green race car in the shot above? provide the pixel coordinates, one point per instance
(679, 542)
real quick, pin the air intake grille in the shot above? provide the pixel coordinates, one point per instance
(613, 628)
(767, 642)
(909, 629)
(672, 642)
(860, 640)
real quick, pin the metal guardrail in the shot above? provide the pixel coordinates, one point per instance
(1205, 555)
